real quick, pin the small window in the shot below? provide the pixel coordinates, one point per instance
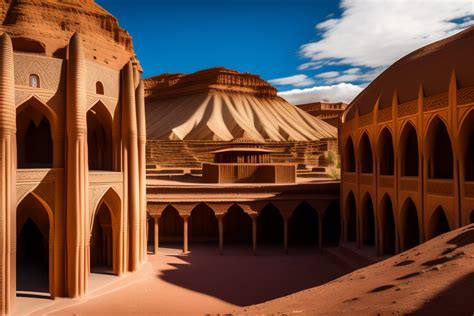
(34, 81)
(99, 87)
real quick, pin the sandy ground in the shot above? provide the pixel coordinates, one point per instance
(204, 282)
(435, 278)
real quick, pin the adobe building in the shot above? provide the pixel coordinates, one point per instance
(328, 112)
(407, 146)
(72, 124)
(226, 158)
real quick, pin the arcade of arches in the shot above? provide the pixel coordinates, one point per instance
(266, 224)
(408, 180)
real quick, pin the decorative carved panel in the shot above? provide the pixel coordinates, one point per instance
(408, 108)
(384, 115)
(349, 177)
(366, 179)
(366, 119)
(51, 71)
(465, 96)
(434, 102)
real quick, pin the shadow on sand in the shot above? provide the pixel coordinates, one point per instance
(240, 278)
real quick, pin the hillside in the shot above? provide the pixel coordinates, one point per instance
(433, 277)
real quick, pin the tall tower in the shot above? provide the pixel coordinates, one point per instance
(77, 171)
(7, 176)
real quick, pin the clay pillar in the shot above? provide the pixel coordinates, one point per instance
(220, 220)
(8, 176)
(157, 234)
(185, 233)
(254, 233)
(77, 171)
(285, 234)
(141, 125)
(130, 160)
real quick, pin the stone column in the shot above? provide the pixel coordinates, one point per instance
(8, 176)
(254, 232)
(156, 234)
(185, 233)
(285, 234)
(130, 161)
(77, 171)
(141, 125)
(220, 220)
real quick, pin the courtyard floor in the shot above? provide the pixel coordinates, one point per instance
(200, 282)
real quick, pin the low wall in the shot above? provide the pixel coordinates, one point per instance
(249, 173)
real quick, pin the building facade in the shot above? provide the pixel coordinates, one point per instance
(407, 147)
(72, 170)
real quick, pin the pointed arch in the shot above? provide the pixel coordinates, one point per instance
(387, 226)
(34, 264)
(438, 223)
(99, 137)
(350, 214)
(303, 225)
(237, 226)
(106, 244)
(438, 150)
(203, 225)
(368, 220)
(409, 156)
(170, 226)
(386, 153)
(349, 156)
(270, 225)
(466, 141)
(366, 157)
(409, 225)
(36, 127)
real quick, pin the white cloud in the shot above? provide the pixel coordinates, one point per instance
(342, 92)
(310, 65)
(296, 81)
(375, 33)
(352, 71)
(329, 74)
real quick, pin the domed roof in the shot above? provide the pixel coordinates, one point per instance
(431, 66)
(45, 27)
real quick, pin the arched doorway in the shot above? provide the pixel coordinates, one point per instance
(101, 245)
(332, 225)
(270, 226)
(203, 225)
(99, 138)
(386, 155)
(438, 223)
(351, 218)
(411, 227)
(440, 151)
(471, 217)
(368, 221)
(237, 226)
(303, 226)
(33, 237)
(466, 140)
(349, 156)
(34, 140)
(365, 155)
(170, 227)
(387, 221)
(409, 151)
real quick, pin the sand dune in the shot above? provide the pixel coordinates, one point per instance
(435, 278)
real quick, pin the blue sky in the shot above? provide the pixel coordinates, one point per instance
(309, 49)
